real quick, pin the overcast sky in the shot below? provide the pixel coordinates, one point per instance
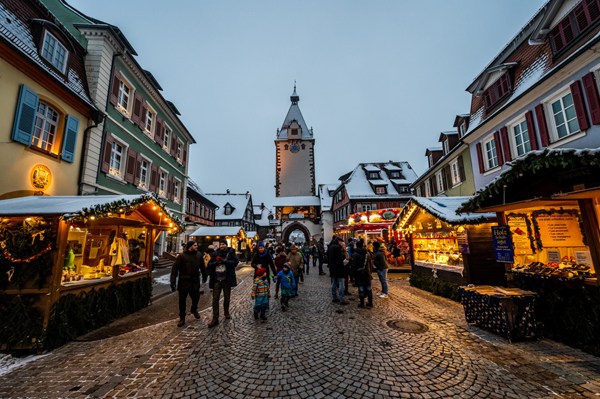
(377, 80)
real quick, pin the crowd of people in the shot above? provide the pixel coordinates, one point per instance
(283, 266)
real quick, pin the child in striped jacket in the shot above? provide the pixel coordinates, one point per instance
(260, 294)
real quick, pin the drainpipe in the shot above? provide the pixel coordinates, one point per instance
(97, 118)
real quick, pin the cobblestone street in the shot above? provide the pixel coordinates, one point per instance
(317, 349)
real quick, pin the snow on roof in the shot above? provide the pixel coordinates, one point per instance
(444, 208)
(296, 201)
(326, 195)
(251, 234)
(294, 114)
(57, 205)
(209, 231)
(371, 168)
(238, 201)
(358, 185)
(194, 186)
(391, 167)
(434, 149)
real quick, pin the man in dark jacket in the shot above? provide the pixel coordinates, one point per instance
(336, 271)
(362, 269)
(221, 269)
(382, 265)
(188, 266)
(321, 255)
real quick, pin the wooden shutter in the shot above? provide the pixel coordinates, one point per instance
(114, 90)
(144, 110)
(137, 108)
(27, 105)
(158, 130)
(586, 13)
(591, 93)
(480, 158)
(461, 168)
(70, 139)
(108, 142)
(531, 131)
(153, 178)
(505, 144)
(138, 169)
(582, 118)
(448, 174)
(170, 187)
(184, 160)
(173, 145)
(433, 185)
(562, 34)
(498, 148)
(130, 167)
(541, 121)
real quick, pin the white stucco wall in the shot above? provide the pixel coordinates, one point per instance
(295, 175)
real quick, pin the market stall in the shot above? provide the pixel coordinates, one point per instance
(371, 225)
(454, 248)
(548, 203)
(61, 255)
(210, 235)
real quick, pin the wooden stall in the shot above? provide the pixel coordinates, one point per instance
(76, 263)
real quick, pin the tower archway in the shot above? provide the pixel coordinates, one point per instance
(293, 227)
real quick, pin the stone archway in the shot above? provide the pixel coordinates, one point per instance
(293, 227)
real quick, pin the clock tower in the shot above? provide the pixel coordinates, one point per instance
(295, 155)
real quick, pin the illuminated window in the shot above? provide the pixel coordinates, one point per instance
(144, 173)
(176, 192)
(179, 151)
(380, 190)
(455, 173)
(149, 121)
(124, 96)
(162, 186)
(166, 139)
(490, 153)
(54, 52)
(116, 157)
(46, 123)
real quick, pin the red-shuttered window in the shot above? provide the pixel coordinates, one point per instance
(586, 13)
(497, 91)
(574, 24)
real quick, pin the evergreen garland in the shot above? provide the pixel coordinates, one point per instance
(21, 325)
(553, 211)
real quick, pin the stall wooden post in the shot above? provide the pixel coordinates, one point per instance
(57, 269)
(590, 227)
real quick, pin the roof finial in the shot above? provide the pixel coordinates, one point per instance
(294, 97)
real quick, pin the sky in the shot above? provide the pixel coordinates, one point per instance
(378, 80)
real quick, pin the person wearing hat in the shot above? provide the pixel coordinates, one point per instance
(260, 294)
(336, 271)
(296, 262)
(285, 278)
(262, 258)
(221, 269)
(321, 255)
(361, 270)
(188, 266)
(381, 263)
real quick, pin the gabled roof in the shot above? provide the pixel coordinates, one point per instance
(459, 119)
(326, 195)
(447, 133)
(294, 114)
(238, 201)
(433, 149)
(359, 186)
(476, 88)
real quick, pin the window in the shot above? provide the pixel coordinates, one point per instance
(294, 131)
(116, 157)
(462, 129)
(380, 190)
(149, 121)
(162, 185)
(123, 98)
(446, 147)
(455, 172)
(373, 175)
(303, 146)
(166, 139)
(490, 154)
(427, 189)
(176, 197)
(440, 182)
(496, 91)
(564, 116)
(286, 146)
(54, 52)
(179, 151)
(228, 210)
(521, 138)
(418, 191)
(192, 208)
(430, 160)
(395, 175)
(144, 174)
(46, 123)
(583, 17)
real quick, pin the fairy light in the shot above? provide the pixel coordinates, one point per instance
(92, 217)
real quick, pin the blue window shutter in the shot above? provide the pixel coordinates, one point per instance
(70, 139)
(25, 116)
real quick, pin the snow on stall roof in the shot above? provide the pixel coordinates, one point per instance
(238, 201)
(326, 195)
(444, 208)
(251, 234)
(296, 201)
(209, 231)
(57, 205)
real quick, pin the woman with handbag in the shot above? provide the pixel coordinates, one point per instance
(362, 267)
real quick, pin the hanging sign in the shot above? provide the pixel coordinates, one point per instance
(503, 244)
(388, 215)
(520, 237)
(559, 230)
(463, 240)
(296, 216)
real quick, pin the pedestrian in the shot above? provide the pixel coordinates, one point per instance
(222, 278)
(280, 260)
(296, 262)
(381, 263)
(261, 294)
(314, 253)
(263, 259)
(306, 252)
(347, 267)
(321, 255)
(248, 254)
(362, 266)
(188, 266)
(370, 247)
(336, 271)
(207, 255)
(285, 279)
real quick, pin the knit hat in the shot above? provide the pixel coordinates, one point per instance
(321, 239)
(223, 241)
(261, 244)
(376, 245)
(293, 247)
(261, 272)
(189, 244)
(286, 265)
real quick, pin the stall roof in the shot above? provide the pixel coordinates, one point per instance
(251, 234)
(296, 201)
(209, 231)
(445, 209)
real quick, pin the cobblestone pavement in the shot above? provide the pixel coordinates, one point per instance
(316, 349)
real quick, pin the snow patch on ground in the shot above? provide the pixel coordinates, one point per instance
(8, 363)
(166, 279)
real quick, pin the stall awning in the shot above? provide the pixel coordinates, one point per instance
(251, 234)
(218, 231)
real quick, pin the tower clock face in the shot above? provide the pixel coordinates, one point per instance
(295, 148)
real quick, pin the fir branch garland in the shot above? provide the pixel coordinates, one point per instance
(528, 223)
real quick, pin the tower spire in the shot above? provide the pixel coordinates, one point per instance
(295, 97)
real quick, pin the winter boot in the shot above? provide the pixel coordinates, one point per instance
(213, 323)
(361, 298)
(369, 299)
(255, 315)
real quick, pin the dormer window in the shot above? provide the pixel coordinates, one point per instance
(228, 209)
(55, 52)
(430, 160)
(373, 175)
(497, 91)
(380, 190)
(446, 147)
(395, 175)
(462, 129)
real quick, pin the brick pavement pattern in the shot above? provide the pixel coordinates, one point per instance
(317, 349)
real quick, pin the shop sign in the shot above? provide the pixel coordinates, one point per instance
(388, 215)
(553, 255)
(357, 218)
(583, 258)
(463, 241)
(520, 237)
(41, 177)
(559, 230)
(503, 244)
(296, 216)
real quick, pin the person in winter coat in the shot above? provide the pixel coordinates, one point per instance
(347, 267)
(260, 294)
(362, 266)
(336, 271)
(263, 259)
(279, 260)
(296, 262)
(321, 255)
(221, 269)
(285, 279)
(314, 252)
(188, 266)
(382, 265)
(306, 252)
